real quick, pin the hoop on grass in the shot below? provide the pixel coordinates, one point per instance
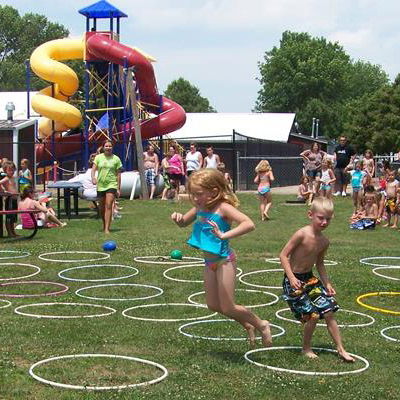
(18, 310)
(370, 322)
(124, 313)
(56, 293)
(276, 260)
(374, 270)
(165, 273)
(7, 303)
(101, 256)
(387, 336)
(81, 387)
(216, 338)
(166, 260)
(294, 371)
(37, 270)
(159, 290)
(367, 260)
(275, 300)
(378, 309)
(19, 254)
(136, 271)
(241, 278)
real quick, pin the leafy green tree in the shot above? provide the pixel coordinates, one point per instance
(188, 96)
(313, 78)
(19, 36)
(373, 121)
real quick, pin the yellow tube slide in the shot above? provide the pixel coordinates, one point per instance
(45, 64)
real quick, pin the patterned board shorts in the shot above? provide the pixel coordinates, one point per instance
(309, 301)
(150, 175)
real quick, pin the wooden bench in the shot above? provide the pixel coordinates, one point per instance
(31, 214)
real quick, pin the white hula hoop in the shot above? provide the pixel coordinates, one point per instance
(371, 319)
(22, 254)
(216, 338)
(165, 273)
(276, 260)
(124, 313)
(259, 272)
(294, 371)
(136, 271)
(367, 260)
(8, 303)
(79, 387)
(275, 300)
(387, 336)
(374, 270)
(21, 277)
(18, 310)
(167, 260)
(101, 256)
(159, 290)
(64, 289)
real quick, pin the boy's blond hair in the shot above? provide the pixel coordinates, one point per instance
(322, 204)
(212, 179)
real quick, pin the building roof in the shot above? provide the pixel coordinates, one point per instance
(220, 126)
(101, 9)
(21, 104)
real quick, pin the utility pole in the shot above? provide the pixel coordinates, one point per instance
(131, 90)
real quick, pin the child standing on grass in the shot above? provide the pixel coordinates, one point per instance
(25, 175)
(357, 183)
(310, 298)
(392, 199)
(369, 166)
(9, 185)
(264, 178)
(327, 178)
(215, 209)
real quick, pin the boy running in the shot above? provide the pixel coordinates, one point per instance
(310, 298)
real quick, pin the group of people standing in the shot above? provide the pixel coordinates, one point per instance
(326, 174)
(175, 169)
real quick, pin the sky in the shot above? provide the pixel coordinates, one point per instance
(217, 44)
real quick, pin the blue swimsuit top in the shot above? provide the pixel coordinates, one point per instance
(204, 239)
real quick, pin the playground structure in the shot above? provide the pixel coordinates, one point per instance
(119, 85)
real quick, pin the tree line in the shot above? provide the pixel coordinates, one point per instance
(306, 75)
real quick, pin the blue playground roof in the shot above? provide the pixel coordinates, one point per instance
(101, 9)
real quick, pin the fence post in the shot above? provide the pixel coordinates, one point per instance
(234, 165)
(55, 171)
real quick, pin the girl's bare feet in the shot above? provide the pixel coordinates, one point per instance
(345, 356)
(309, 354)
(266, 334)
(393, 226)
(385, 225)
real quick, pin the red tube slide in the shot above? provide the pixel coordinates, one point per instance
(171, 118)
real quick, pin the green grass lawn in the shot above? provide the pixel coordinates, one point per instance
(198, 368)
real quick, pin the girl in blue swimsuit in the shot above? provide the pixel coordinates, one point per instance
(264, 178)
(215, 209)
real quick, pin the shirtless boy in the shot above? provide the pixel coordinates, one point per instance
(310, 298)
(151, 164)
(10, 186)
(391, 204)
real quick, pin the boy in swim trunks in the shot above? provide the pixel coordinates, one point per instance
(310, 298)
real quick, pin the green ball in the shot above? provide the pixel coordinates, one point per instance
(176, 255)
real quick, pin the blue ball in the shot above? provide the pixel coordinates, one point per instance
(109, 245)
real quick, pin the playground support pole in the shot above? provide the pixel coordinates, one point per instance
(131, 86)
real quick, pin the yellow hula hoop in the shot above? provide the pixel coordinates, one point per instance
(382, 310)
